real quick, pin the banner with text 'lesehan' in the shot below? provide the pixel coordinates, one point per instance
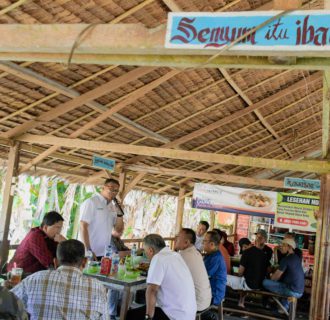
(297, 31)
(234, 200)
(296, 211)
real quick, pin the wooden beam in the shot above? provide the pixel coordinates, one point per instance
(287, 5)
(133, 183)
(126, 101)
(245, 111)
(8, 197)
(172, 5)
(38, 79)
(76, 102)
(244, 96)
(208, 176)
(122, 184)
(180, 210)
(304, 166)
(105, 39)
(288, 91)
(173, 61)
(325, 114)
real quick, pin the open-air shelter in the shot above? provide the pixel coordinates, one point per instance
(86, 77)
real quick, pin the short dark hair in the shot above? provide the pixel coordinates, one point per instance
(154, 241)
(110, 180)
(190, 235)
(51, 218)
(70, 252)
(214, 237)
(205, 223)
(219, 232)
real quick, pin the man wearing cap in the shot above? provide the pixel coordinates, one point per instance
(278, 256)
(261, 238)
(252, 269)
(288, 280)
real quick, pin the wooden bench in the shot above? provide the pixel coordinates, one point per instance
(291, 314)
(219, 309)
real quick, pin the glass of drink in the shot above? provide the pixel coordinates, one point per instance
(121, 270)
(15, 276)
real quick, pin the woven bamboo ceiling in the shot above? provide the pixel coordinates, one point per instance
(272, 114)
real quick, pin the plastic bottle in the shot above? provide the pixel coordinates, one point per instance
(133, 255)
(115, 263)
(133, 251)
(106, 262)
(89, 256)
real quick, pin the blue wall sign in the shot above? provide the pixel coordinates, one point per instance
(103, 163)
(298, 30)
(302, 184)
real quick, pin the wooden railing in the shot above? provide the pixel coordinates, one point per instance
(138, 241)
(168, 240)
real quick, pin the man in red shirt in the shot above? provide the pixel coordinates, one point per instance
(38, 249)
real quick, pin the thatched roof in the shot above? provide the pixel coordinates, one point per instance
(157, 106)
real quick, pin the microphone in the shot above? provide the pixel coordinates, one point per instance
(120, 208)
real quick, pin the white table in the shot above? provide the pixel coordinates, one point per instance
(128, 287)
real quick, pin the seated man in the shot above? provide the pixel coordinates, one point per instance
(278, 256)
(64, 293)
(223, 250)
(203, 226)
(227, 244)
(252, 269)
(10, 306)
(185, 242)
(289, 279)
(170, 284)
(261, 239)
(38, 249)
(215, 266)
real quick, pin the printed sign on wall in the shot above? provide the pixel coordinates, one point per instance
(296, 31)
(297, 211)
(103, 163)
(302, 184)
(234, 200)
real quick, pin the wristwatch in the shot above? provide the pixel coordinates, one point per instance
(147, 317)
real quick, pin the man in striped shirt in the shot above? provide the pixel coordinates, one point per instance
(64, 293)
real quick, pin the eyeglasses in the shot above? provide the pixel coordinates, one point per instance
(111, 189)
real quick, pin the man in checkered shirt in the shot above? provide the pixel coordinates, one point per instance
(64, 293)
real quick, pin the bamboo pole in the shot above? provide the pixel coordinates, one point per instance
(122, 185)
(180, 210)
(8, 197)
(212, 219)
(320, 298)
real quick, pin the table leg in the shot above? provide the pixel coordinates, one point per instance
(125, 302)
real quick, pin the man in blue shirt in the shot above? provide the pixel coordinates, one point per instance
(288, 279)
(215, 266)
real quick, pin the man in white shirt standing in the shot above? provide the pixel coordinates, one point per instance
(170, 283)
(98, 216)
(185, 243)
(202, 228)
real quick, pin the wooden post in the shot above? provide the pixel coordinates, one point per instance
(320, 299)
(122, 183)
(180, 209)
(235, 227)
(8, 196)
(212, 219)
(287, 5)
